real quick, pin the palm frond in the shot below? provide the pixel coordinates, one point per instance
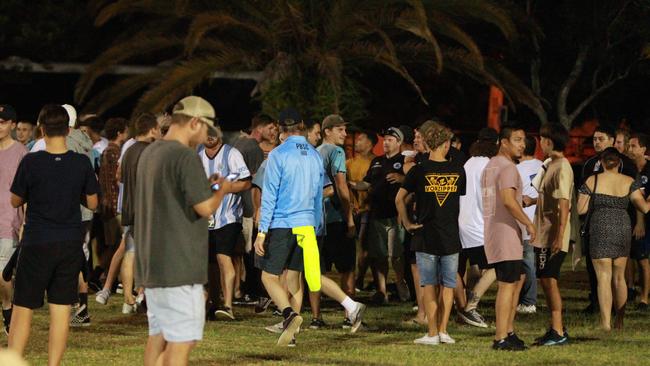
(479, 10)
(138, 45)
(415, 21)
(442, 24)
(206, 22)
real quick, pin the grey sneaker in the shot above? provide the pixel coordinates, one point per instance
(356, 317)
(225, 312)
(102, 296)
(473, 318)
(275, 328)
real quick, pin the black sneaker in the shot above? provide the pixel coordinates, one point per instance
(642, 306)
(513, 338)
(505, 345)
(472, 318)
(262, 304)
(316, 323)
(290, 326)
(81, 317)
(552, 338)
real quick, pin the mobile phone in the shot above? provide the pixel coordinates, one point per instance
(229, 178)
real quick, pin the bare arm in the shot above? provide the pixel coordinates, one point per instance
(92, 201)
(564, 219)
(360, 186)
(241, 185)
(400, 204)
(641, 204)
(328, 191)
(256, 195)
(583, 199)
(16, 201)
(514, 208)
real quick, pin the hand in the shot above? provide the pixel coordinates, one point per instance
(352, 184)
(259, 244)
(216, 178)
(409, 159)
(639, 232)
(411, 227)
(556, 246)
(393, 178)
(531, 231)
(352, 230)
(528, 201)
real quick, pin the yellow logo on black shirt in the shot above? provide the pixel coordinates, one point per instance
(441, 185)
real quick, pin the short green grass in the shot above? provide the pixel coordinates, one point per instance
(115, 339)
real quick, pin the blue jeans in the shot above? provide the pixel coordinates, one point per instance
(437, 270)
(528, 295)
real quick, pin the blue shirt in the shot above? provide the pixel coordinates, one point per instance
(333, 162)
(292, 191)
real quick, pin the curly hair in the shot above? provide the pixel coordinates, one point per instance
(437, 135)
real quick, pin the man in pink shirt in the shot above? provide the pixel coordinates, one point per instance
(11, 153)
(502, 215)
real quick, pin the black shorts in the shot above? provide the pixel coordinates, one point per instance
(640, 249)
(548, 265)
(409, 253)
(338, 249)
(53, 268)
(223, 240)
(477, 257)
(509, 271)
(281, 251)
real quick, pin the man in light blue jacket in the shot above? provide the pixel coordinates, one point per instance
(292, 197)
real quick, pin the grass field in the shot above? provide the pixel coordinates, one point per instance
(115, 339)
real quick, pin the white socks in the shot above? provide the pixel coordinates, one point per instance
(349, 305)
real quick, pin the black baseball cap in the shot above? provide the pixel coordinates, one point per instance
(8, 113)
(289, 117)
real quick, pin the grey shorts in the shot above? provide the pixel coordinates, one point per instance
(176, 312)
(385, 238)
(281, 252)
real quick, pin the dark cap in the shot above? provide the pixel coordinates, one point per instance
(488, 134)
(395, 132)
(289, 117)
(409, 135)
(8, 113)
(333, 120)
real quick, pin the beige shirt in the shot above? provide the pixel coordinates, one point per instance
(502, 231)
(557, 184)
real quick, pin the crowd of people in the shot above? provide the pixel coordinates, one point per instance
(195, 226)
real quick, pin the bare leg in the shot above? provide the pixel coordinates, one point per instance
(430, 300)
(331, 289)
(603, 269)
(6, 292)
(381, 270)
(154, 348)
(238, 267)
(421, 315)
(59, 329)
(620, 289)
(554, 302)
(515, 301)
(227, 271)
(115, 265)
(314, 301)
(447, 297)
(503, 308)
(176, 353)
(127, 277)
(347, 283)
(459, 293)
(21, 322)
(295, 286)
(275, 289)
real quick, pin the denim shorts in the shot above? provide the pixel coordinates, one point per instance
(436, 269)
(176, 312)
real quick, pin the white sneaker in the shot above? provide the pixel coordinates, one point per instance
(102, 296)
(128, 308)
(119, 289)
(139, 299)
(356, 317)
(445, 338)
(526, 309)
(275, 328)
(429, 341)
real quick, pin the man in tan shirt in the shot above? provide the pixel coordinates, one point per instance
(551, 222)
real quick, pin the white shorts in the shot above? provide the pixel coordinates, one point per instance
(7, 249)
(176, 312)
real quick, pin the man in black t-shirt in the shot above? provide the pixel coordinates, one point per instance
(385, 234)
(52, 183)
(641, 234)
(438, 184)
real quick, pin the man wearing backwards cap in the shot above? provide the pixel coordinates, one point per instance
(172, 203)
(385, 234)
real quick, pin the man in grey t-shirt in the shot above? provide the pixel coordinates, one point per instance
(172, 203)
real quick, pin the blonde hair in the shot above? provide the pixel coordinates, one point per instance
(436, 135)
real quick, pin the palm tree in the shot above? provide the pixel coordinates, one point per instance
(309, 50)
